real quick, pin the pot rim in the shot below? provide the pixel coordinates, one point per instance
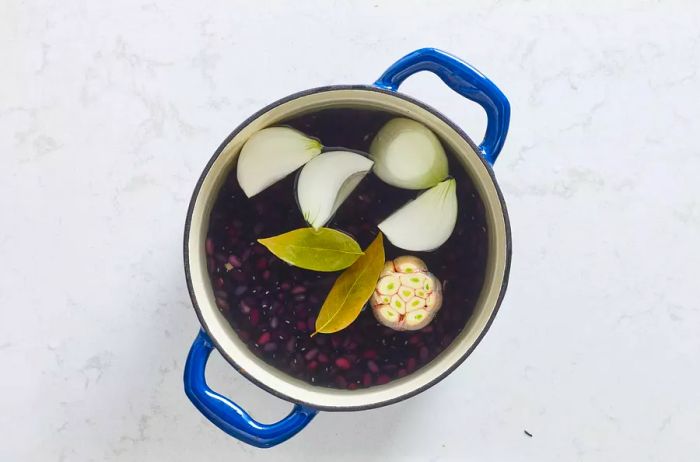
(205, 173)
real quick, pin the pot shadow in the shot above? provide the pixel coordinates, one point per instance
(361, 435)
(364, 434)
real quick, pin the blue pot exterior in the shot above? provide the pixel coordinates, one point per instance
(463, 79)
(229, 416)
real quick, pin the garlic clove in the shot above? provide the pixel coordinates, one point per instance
(270, 155)
(388, 269)
(406, 293)
(326, 181)
(388, 316)
(388, 285)
(417, 319)
(409, 264)
(415, 303)
(379, 299)
(431, 283)
(434, 301)
(398, 304)
(414, 281)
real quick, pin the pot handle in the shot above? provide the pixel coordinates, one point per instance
(463, 79)
(229, 416)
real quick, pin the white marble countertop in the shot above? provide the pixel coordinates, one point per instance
(109, 111)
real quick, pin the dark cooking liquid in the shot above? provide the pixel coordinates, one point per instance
(273, 306)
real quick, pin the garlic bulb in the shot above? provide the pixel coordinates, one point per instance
(407, 296)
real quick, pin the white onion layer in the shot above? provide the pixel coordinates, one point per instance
(408, 155)
(270, 155)
(326, 181)
(426, 222)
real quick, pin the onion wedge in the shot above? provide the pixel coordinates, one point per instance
(326, 181)
(408, 155)
(426, 222)
(270, 155)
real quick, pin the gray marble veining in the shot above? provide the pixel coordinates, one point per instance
(109, 111)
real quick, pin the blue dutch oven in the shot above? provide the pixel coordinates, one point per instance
(477, 160)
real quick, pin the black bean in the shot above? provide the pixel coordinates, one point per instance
(270, 347)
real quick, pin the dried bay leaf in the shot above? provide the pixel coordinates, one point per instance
(325, 249)
(351, 290)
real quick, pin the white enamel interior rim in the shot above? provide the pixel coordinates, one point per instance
(295, 389)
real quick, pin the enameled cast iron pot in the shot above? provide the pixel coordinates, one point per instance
(216, 331)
